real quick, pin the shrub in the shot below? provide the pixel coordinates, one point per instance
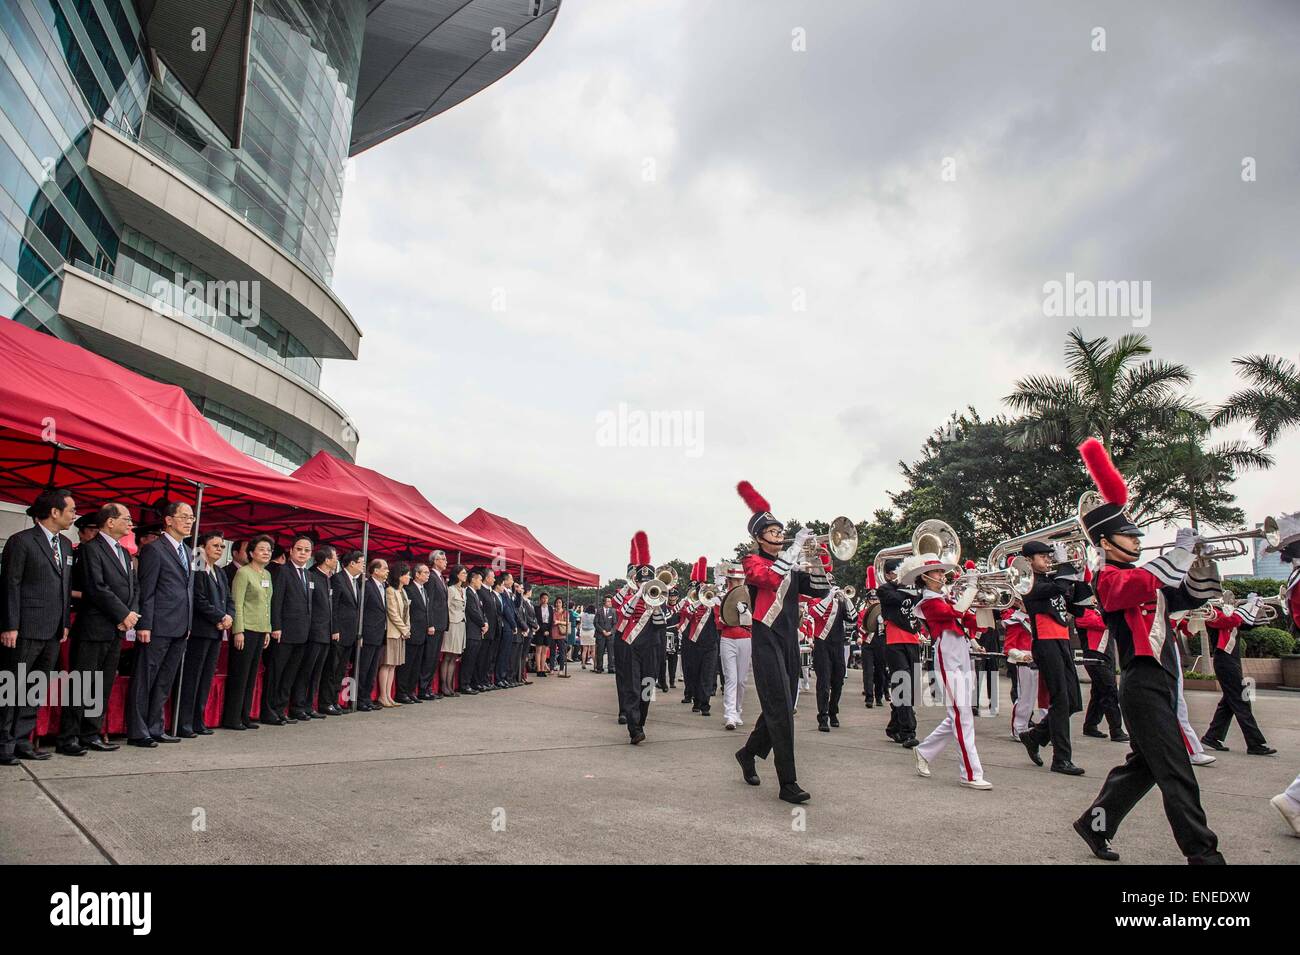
(1266, 642)
(1197, 675)
(1264, 586)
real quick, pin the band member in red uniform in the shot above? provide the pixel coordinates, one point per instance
(1057, 590)
(875, 672)
(639, 632)
(1288, 548)
(734, 646)
(687, 623)
(828, 651)
(775, 583)
(902, 654)
(1099, 662)
(1227, 670)
(1018, 646)
(1135, 604)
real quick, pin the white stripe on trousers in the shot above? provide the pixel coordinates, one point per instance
(1026, 705)
(735, 656)
(1190, 738)
(953, 668)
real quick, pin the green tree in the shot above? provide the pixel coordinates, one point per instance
(1272, 404)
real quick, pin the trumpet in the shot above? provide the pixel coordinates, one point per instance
(932, 538)
(654, 593)
(849, 592)
(842, 542)
(1227, 546)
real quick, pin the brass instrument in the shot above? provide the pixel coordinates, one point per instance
(654, 593)
(707, 593)
(849, 592)
(1070, 532)
(1229, 545)
(842, 542)
(998, 589)
(666, 576)
(933, 538)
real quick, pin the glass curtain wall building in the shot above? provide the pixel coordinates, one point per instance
(172, 171)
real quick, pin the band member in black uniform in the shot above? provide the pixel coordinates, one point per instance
(640, 635)
(871, 634)
(1235, 700)
(1058, 590)
(672, 641)
(828, 615)
(775, 583)
(902, 654)
(706, 644)
(1135, 604)
(1099, 663)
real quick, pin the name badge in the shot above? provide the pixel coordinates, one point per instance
(266, 585)
(311, 585)
(68, 561)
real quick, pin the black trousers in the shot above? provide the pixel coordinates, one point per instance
(636, 687)
(875, 672)
(775, 660)
(1233, 702)
(370, 657)
(690, 654)
(1055, 661)
(469, 661)
(1147, 697)
(706, 670)
(602, 650)
(1103, 698)
(156, 664)
(828, 664)
(196, 682)
(303, 698)
(241, 680)
(483, 663)
(89, 657)
(283, 660)
(670, 664)
(618, 652)
(505, 653)
(335, 668)
(429, 661)
(408, 673)
(903, 660)
(18, 721)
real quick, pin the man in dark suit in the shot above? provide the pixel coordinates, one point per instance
(109, 606)
(166, 612)
(214, 614)
(238, 558)
(290, 621)
(321, 634)
(436, 592)
(476, 627)
(509, 627)
(527, 615)
(605, 621)
(346, 589)
(374, 631)
(35, 602)
(409, 687)
(484, 670)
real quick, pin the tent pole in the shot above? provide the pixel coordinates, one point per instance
(54, 465)
(180, 669)
(361, 609)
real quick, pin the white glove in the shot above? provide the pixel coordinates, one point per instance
(964, 597)
(1187, 539)
(802, 537)
(1059, 553)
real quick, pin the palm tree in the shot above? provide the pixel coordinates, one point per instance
(1272, 405)
(1113, 392)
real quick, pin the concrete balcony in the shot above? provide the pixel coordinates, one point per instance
(124, 325)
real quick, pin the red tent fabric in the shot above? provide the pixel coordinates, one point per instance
(539, 563)
(69, 418)
(434, 529)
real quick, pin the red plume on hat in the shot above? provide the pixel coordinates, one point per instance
(969, 565)
(755, 501)
(700, 572)
(826, 561)
(871, 577)
(641, 549)
(1104, 473)
(631, 556)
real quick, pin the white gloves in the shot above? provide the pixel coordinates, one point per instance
(1059, 552)
(963, 598)
(1187, 539)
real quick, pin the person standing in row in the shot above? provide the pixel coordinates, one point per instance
(604, 624)
(509, 626)
(527, 627)
(476, 627)
(35, 604)
(374, 633)
(214, 615)
(321, 635)
(871, 634)
(409, 687)
(250, 592)
(345, 597)
(436, 593)
(110, 604)
(290, 622)
(166, 613)
(453, 644)
(397, 630)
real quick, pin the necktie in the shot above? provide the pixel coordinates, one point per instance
(180, 553)
(58, 557)
(302, 575)
(121, 556)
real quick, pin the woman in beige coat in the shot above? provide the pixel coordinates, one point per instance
(398, 630)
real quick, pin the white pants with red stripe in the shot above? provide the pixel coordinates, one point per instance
(1190, 739)
(956, 677)
(1026, 704)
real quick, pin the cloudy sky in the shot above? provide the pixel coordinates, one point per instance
(807, 232)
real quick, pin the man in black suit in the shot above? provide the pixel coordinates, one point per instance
(409, 687)
(109, 606)
(321, 634)
(346, 588)
(35, 602)
(527, 614)
(507, 626)
(483, 670)
(238, 558)
(166, 611)
(476, 627)
(605, 622)
(290, 620)
(214, 615)
(374, 631)
(436, 592)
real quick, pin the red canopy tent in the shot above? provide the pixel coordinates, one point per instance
(540, 565)
(69, 418)
(434, 529)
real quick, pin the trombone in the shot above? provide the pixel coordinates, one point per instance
(1227, 546)
(932, 538)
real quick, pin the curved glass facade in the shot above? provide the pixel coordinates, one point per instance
(287, 177)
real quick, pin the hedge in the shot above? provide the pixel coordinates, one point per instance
(1266, 642)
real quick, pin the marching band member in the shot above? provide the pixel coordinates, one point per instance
(1288, 804)
(874, 671)
(955, 632)
(1288, 549)
(1054, 591)
(1135, 604)
(687, 624)
(627, 593)
(902, 653)
(1018, 648)
(827, 617)
(1191, 742)
(705, 638)
(774, 585)
(639, 634)
(734, 651)
(1235, 701)
(805, 652)
(672, 641)
(1099, 662)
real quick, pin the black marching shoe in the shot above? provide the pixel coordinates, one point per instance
(1093, 732)
(792, 793)
(747, 770)
(27, 752)
(1031, 746)
(910, 743)
(1120, 737)
(822, 725)
(1213, 744)
(704, 711)
(8, 760)
(1260, 751)
(1067, 768)
(186, 734)
(835, 722)
(622, 720)
(637, 737)
(1098, 843)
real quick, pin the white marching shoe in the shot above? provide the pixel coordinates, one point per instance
(977, 783)
(1290, 812)
(1203, 759)
(922, 767)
